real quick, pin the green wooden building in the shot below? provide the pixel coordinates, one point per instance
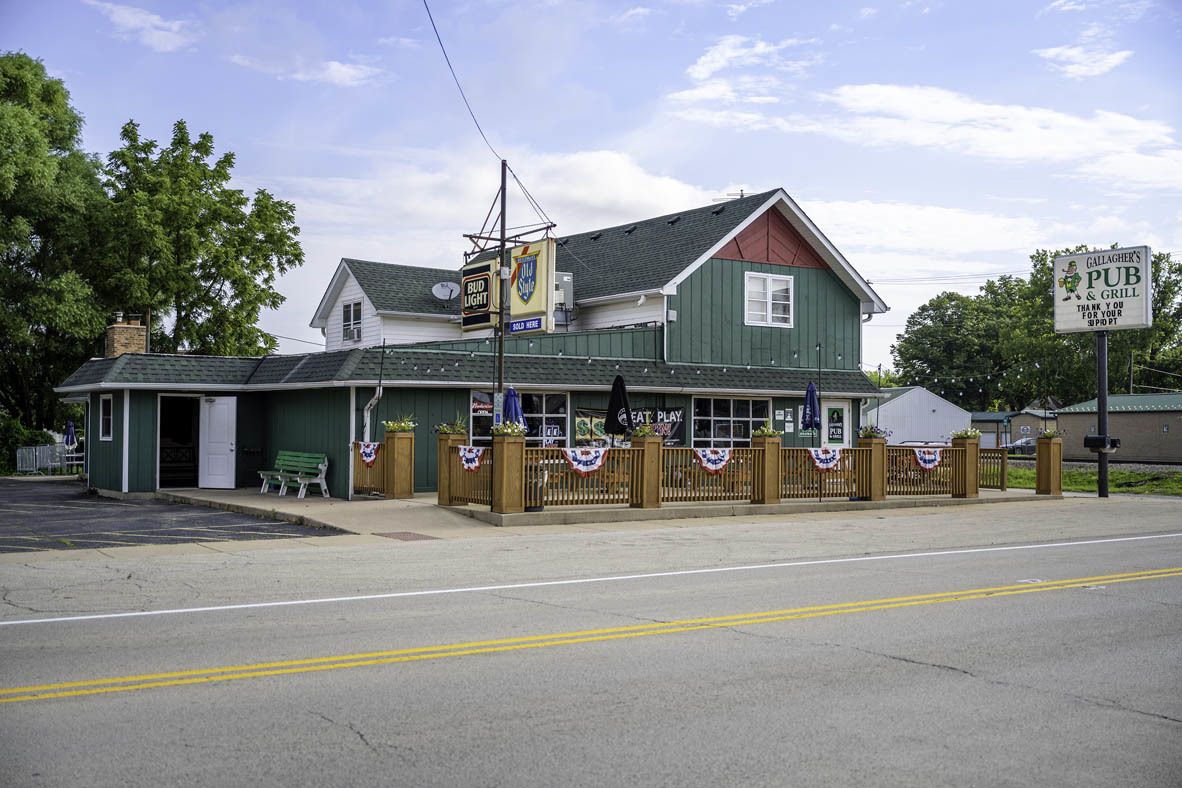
(717, 318)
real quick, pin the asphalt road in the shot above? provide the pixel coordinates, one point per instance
(60, 515)
(1054, 664)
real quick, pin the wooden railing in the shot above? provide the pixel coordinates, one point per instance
(684, 479)
(994, 467)
(905, 477)
(800, 478)
(369, 478)
(471, 486)
(549, 479)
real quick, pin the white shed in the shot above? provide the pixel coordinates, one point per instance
(915, 415)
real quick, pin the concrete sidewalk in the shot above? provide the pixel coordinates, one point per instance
(420, 517)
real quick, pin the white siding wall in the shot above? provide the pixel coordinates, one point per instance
(623, 313)
(405, 330)
(370, 325)
(919, 415)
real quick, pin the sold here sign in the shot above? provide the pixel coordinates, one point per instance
(1104, 290)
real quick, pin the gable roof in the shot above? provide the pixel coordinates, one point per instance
(657, 254)
(390, 288)
(1130, 403)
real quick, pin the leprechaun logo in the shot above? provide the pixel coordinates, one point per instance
(1070, 282)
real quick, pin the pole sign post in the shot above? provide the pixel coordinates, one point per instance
(1101, 291)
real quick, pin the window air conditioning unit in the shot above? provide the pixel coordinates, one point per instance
(353, 334)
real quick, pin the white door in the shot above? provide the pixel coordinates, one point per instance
(215, 452)
(835, 424)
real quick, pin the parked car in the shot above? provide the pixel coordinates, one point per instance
(1023, 446)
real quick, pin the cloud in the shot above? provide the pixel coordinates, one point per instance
(735, 51)
(735, 10)
(154, 32)
(1090, 56)
(1067, 5)
(1078, 62)
(398, 41)
(631, 17)
(331, 72)
(867, 13)
(744, 89)
(1158, 170)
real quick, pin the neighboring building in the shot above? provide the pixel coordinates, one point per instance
(914, 415)
(1149, 427)
(1001, 428)
(712, 315)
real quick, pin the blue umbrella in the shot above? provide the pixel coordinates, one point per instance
(810, 419)
(513, 412)
(70, 440)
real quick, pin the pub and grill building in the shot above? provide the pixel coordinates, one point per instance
(717, 318)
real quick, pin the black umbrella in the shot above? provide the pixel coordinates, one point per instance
(619, 412)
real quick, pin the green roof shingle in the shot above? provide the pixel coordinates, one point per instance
(1130, 403)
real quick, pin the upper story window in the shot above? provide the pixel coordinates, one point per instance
(105, 406)
(351, 322)
(769, 300)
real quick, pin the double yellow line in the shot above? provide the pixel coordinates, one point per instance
(286, 667)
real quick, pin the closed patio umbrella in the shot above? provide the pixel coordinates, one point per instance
(810, 419)
(618, 420)
(513, 412)
(70, 441)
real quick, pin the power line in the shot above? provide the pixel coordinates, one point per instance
(457, 81)
(294, 339)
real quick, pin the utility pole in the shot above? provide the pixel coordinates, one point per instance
(1130, 372)
(1102, 408)
(504, 285)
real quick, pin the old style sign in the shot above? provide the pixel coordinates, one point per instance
(531, 287)
(1106, 290)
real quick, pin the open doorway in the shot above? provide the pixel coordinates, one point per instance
(178, 441)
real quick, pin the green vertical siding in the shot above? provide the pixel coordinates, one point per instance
(250, 440)
(106, 457)
(710, 311)
(429, 406)
(604, 343)
(311, 420)
(141, 446)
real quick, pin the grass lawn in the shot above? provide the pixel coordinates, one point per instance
(1084, 480)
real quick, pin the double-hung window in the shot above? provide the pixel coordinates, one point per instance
(106, 404)
(769, 300)
(351, 322)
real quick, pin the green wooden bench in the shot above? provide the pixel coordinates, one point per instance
(297, 469)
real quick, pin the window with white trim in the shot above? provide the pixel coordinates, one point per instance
(721, 423)
(768, 300)
(106, 409)
(351, 322)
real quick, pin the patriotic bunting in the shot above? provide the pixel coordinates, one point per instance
(825, 459)
(928, 459)
(369, 453)
(713, 460)
(471, 457)
(585, 461)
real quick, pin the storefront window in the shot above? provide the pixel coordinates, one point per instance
(726, 422)
(545, 418)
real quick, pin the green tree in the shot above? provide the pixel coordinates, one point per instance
(195, 255)
(998, 349)
(51, 209)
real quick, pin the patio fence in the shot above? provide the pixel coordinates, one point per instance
(994, 468)
(369, 478)
(648, 475)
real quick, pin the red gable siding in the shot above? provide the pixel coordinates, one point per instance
(770, 239)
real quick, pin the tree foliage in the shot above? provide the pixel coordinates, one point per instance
(998, 349)
(156, 231)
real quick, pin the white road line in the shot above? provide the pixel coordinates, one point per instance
(578, 581)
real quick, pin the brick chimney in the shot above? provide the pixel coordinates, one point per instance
(125, 337)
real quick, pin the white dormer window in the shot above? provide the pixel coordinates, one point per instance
(768, 300)
(351, 322)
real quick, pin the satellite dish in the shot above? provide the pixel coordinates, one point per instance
(445, 291)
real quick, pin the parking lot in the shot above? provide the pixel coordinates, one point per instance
(60, 515)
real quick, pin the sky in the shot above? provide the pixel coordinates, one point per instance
(936, 144)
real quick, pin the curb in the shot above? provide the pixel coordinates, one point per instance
(623, 515)
(253, 511)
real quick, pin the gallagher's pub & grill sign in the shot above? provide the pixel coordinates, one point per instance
(1105, 290)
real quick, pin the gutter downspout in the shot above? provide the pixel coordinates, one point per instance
(377, 395)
